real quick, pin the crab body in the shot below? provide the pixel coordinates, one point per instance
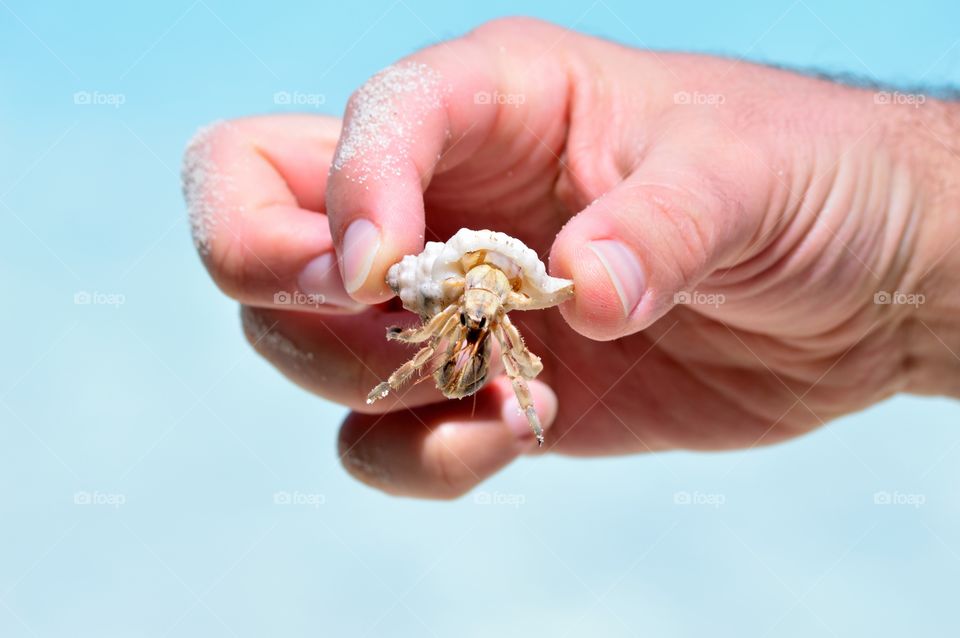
(463, 290)
(465, 369)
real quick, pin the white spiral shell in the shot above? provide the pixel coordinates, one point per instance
(412, 279)
(418, 279)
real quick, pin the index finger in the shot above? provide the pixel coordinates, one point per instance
(399, 127)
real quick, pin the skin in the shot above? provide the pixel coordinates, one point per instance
(781, 203)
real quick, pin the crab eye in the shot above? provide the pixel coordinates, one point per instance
(483, 322)
(463, 319)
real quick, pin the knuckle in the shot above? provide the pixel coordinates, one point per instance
(228, 267)
(205, 186)
(254, 324)
(692, 231)
(498, 27)
(361, 461)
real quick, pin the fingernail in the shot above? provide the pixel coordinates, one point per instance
(360, 245)
(320, 280)
(365, 464)
(623, 269)
(269, 339)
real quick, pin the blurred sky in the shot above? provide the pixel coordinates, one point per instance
(180, 436)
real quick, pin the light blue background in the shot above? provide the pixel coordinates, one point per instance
(161, 401)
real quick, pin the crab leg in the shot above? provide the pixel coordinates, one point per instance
(519, 301)
(528, 362)
(515, 372)
(424, 332)
(401, 374)
(522, 390)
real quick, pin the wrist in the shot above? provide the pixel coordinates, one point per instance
(933, 332)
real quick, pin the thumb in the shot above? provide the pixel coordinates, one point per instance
(636, 250)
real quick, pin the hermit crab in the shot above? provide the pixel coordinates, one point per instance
(463, 290)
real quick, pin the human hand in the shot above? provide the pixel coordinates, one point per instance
(727, 227)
